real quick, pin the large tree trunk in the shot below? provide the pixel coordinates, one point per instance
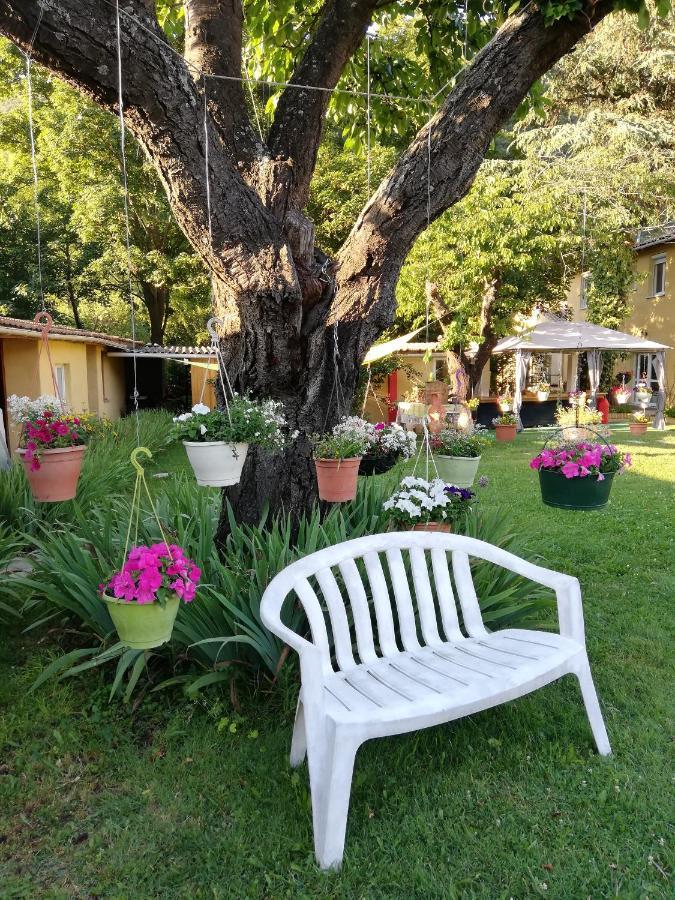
(156, 300)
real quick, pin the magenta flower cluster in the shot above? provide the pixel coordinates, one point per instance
(47, 432)
(582, 460)
(152, 573)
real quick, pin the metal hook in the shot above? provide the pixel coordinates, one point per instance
(46, 325)
(210, 327)
(134, 458)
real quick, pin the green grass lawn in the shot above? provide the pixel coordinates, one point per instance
(183, 798)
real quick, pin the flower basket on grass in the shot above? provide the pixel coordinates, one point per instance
(217, 441)
(143, 597)
(457, 455)
(505, 427)
(337, 457)
(51, 447)
(421, 505)
(578, 475)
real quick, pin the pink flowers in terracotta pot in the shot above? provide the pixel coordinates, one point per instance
(154, 574)
(582, 460)
(49, 432)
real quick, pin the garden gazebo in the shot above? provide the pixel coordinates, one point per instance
(560, 336)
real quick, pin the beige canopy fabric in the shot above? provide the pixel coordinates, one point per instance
(379, 351)
(559, 336)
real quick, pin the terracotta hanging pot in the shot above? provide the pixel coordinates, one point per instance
(443, 527)
(505, 432)
(56, 479)
(337, 479)
(216, 463)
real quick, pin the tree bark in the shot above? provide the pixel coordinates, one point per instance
(156, 300)
(284, 304)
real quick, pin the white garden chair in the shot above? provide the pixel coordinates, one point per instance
(407, 663)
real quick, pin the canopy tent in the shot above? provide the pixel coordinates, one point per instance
(560, 336)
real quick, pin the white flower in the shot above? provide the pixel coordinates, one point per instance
(183, 417)
(200, 409)
(202, 429)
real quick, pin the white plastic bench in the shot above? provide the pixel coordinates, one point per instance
(394, 675)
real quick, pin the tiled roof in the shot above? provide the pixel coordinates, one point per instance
(96, 337)
(656, 234)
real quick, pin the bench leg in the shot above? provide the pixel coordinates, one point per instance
(593, 710)
(330, 796)
(299, 742)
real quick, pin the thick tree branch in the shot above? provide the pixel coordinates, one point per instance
(163, 109)
(213, 42)
(298, 124)
(488, 94)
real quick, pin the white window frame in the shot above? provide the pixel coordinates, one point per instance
(61, 376)
(586, 279)
(659, 264)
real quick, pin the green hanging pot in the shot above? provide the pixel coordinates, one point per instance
(574, 493)
(143, 626)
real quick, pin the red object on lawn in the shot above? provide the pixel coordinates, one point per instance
(603, 409)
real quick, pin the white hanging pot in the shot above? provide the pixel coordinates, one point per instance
(216, 463)
(542, 396)
(622, 397)
(642, 397)
(457, 470)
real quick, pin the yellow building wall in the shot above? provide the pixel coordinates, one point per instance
(94, 381)
(650, 317)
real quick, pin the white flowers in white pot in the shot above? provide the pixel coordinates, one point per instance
(216, 441)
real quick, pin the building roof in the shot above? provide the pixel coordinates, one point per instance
(155, 351)
(654, 235)
(551, 336)
(28, 328)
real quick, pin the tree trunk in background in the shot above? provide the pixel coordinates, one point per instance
(156, 300)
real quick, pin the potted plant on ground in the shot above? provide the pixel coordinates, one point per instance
(387, 443)
(505, 427)
(543, 390)
(457, 455)
(639, 424)
(643, 392)
(143, 597)
(578, 475)
(217, 441)
(337, 456)
(505, 401)
(421, 505)
(51, 447)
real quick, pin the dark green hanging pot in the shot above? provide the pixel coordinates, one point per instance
(574, 493)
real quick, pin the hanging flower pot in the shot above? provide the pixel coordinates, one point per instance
(387, 443)
(217, 441)
(51, 446)
(215, 463)
(55, 478)
(143, 626)
(421, 505)
(574, 493)
(143, 597)
(337, 457)
(337, 479)
(542, 396)
(377, 465)
(578, 475)
(443, 527)
(458, 470)
(622, 397)
(643, 396)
